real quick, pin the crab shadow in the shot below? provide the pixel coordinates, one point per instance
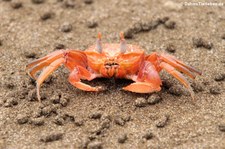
(114, 85)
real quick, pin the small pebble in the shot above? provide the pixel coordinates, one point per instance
(167, 84)
(95, 145)
(197, 87)
(153, 99)
(200, 42)
(208, 45)
(66, 27)
(69, 117)
(95, 115)
(30, 55)
(55, 99)
(88, 1)
(92, 137)
(37, 121)
(97, 131)
(215, 90)
(32, 95)
(220, 77)
(146, 26)
(58, 120)
(59, 46)
(64, 101)
(38, 1)
(170, 24)
(52, 137)
(127, 118)
(122, 138)
(79, 122)
(69, 3)
(171, 48)
(221, 128)
(105, 123)
(23, 93)
(162, 121)
(0, 42)
(175, 90)
(223, 36)
(92, 24)
(37, 113)
(141, 102)
(16, 5)
(137, 27)
(22, 119)
(155, 23)
(10, 85)
(164, 19)
(148, 135)
(119, 121)
(128, 34)
(84, 143)
(152, 24)
(48, 110)
(47, 15)
(10, 102)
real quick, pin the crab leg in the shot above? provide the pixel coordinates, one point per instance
(42, 64)
(185, 65)
(82, 73)
(69, 55)
(171, 70)
(185, 69)
(70, 58)
(46, 72)
(30, 65)
(74, 59)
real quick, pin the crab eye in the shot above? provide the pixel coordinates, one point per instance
(122, 43)
(99, 43)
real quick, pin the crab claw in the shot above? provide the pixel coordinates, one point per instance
(142, 87)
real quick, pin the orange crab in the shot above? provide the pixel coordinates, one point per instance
(112, 60)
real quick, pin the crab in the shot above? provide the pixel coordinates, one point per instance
(113, 60)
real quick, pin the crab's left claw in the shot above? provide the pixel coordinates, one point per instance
(147, 80)
(142, 87)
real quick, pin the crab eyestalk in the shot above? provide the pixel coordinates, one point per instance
(99, 43)
(122, 43)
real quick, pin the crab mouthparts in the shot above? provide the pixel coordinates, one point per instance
(111, 68)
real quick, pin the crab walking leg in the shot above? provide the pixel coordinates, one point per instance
(75, 79)
(185, 65)
(171, 70)
(30, 65)
(46, 72)
(179, 67)
(42, 64)
(69, 56)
